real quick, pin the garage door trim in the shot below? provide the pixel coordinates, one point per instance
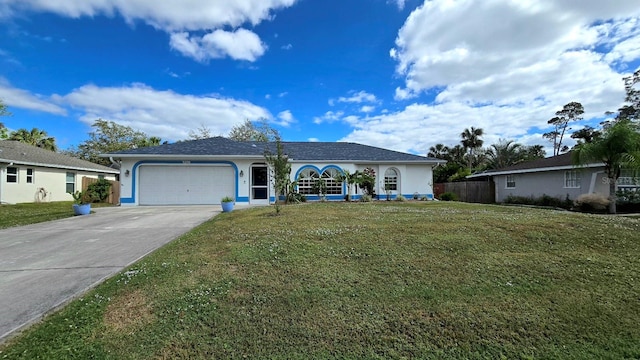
(136, 170)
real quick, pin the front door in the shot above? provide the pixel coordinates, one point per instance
(259, 184)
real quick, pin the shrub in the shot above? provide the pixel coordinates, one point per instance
(449, 196)
(99, 191)
(592, 203)
(365, 198)
(628, 201)
(400, 198)
(295, 197)
(544, 200)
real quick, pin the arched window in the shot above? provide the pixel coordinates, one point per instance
(307, 180)
(391, 179)
(330, 178)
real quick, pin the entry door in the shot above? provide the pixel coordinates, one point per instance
(259, 184)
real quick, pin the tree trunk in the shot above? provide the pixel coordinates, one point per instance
(612, 196)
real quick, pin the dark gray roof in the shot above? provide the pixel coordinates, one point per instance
(296, 151)
(553, 161)
(561, 160)
(24, 154)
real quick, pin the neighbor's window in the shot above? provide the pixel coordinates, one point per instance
(391, 179)
(306, 181)
(330, 177)
(12, 174)
(511, 181)
(572, 179)
(30, 173)
(628, 177)
(71, 182)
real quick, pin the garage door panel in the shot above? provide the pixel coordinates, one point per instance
(184, 185)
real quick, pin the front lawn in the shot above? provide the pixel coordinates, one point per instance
(372, 280)
(31, 213)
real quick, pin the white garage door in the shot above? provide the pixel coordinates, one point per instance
(185, 185)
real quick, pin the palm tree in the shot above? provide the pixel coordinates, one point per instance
(35, 137)
(504, 153)
(471, 141)
(438, 151)
(618, 147)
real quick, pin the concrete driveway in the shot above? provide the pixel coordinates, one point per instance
(45, 265)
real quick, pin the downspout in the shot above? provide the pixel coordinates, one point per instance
(2, 180)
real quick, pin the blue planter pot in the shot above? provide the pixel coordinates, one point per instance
(227, 206)
(84, 209)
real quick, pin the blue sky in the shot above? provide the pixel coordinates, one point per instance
(399, 74)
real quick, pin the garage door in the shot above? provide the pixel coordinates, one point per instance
(185, 185)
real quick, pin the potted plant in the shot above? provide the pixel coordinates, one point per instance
(227, 204)
(82, 203)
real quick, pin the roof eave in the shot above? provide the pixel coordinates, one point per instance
(534, 170)
(373, 161)
(58, 166)
(178, 156)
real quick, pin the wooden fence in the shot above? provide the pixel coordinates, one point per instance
(114, 195)
(470, 191)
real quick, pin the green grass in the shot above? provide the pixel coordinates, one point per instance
(376, 280)
(31, 213)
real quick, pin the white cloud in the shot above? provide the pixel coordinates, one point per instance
(268, 96)
(357, 97)
(18, 98)
(162, 113)
(240, 44)
(283, 94)
(367, 109)
(286, 47)
(527, 61)
(329, 117)
(431, 53)
(313, 139)
(286, 118)
(175, 17)
(399, 4)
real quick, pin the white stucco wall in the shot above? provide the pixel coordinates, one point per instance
(413, 178)
(52, 180)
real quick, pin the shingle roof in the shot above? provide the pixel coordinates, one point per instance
(562, 160)
(20, 153)
(296, 151)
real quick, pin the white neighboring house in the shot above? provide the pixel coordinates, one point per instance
(555, 176)
(31, 174)
(204, 171)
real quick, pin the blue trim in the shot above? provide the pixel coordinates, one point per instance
(242, 198)
(304, 168)
(272, 199)
(320, 171)
(134, 174)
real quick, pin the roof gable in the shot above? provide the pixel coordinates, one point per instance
(24, 154)
(296, 151)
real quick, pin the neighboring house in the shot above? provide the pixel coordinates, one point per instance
(204, 171)
(554, 176)
(30, 174)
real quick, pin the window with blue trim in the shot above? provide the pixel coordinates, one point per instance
(307, 180)
(331, 179)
